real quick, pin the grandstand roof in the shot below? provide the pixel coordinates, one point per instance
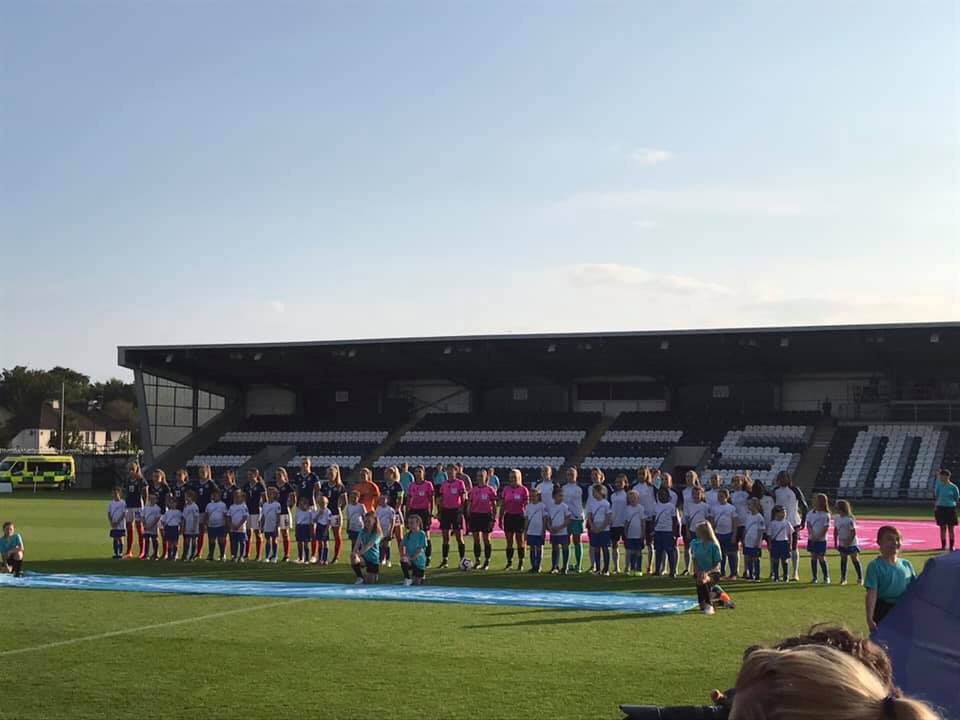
(932, 348)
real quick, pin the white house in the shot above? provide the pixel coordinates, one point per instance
(98, 431)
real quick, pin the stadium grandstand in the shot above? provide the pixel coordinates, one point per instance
(864, 411)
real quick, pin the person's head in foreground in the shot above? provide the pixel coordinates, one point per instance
(816, 682)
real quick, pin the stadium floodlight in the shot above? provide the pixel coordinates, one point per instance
(784, 342)
(934, 338)
(169, 358)
(664, 344)
(448, 350)
(552, 347)
(351, 353)
(258, 356)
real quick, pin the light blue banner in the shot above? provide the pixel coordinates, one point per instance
(559, 599)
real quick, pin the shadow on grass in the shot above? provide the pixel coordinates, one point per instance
(577, 620)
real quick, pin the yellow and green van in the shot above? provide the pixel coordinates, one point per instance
(57, 470)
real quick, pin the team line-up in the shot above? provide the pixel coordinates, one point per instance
(651, 515)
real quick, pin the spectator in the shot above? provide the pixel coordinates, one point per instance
(816, 682)
(888, 576)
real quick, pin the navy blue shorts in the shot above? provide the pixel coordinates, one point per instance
(118, 533)
(303, 533)
(752, 552)
(171, 533)
(600, 539)
(353, 535)
(817, 547)
(849, 550)
(780, 550)
(616, 534)
(321, 532)
(664, 540)
(633, 544)
(216, 532)
(727, 543)
(556, 539)
(535, 540)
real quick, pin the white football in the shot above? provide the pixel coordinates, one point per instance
(466, 564)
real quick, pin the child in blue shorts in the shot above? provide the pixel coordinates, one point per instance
(633, 531)
(321, 530)
(780, 532)
(818, 525)
(534, 525)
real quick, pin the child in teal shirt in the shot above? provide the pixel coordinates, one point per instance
(705, 551)
(366, 552)
(414, 560)
(11, 550)
(888, 576)
(947, 496)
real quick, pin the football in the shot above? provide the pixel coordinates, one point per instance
(466, 564)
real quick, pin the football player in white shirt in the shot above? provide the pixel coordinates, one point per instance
(666, 530)
(237, 514)
(388, 522)
(753, 534)
(546, 485)
(695, 512)
(789, 497)
(151, 524)
(573, 499)
(725, 523)
(534, 528)
(647, 493)
(634, 517)
(116, 516)
(618, 506)
(558, 518)
(818, 525)
(710, 496)
(845, 540)
(270, 523)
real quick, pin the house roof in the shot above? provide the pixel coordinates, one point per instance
(49, 419)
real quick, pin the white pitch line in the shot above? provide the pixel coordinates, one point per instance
(142, 628)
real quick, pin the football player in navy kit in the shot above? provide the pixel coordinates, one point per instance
(255, 491)
(336, 494)
(286, 494)
(205, 486)
(134, 489)
(307, 484)
(178, 490)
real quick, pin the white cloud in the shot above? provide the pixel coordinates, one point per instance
(651, 156)
(643, 224)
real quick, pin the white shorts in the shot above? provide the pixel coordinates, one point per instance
(285, 523)
(134, 514)
(253, 522)
(334, 521)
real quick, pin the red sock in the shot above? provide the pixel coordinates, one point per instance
(259, 546)
(286, 546)
(140, 540)
(337, 544)
(314, 544)
(129, 538)
(200, 543)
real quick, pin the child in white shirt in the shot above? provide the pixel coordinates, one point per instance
(151, 523)
(216, 514)
(303, 530)
(238, 514)
(780, 532)
(754, 530)
(321, 529)
(558, 518)
(191, 527)
(618, 506)
(725, 524)
(694, 512)
(666, 529)
(171, 520)
(116, 516)
(818, 525)
(845, 540)
(534, 525)
(388, 520)
(270, 522)
(599, 516)
(634, 516)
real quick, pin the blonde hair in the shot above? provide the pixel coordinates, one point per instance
(781, 684)
(843, 506)
(826, 501)
(706, 528)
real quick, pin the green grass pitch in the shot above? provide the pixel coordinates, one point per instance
(128, 655)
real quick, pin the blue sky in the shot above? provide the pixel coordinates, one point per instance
(227, 171)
